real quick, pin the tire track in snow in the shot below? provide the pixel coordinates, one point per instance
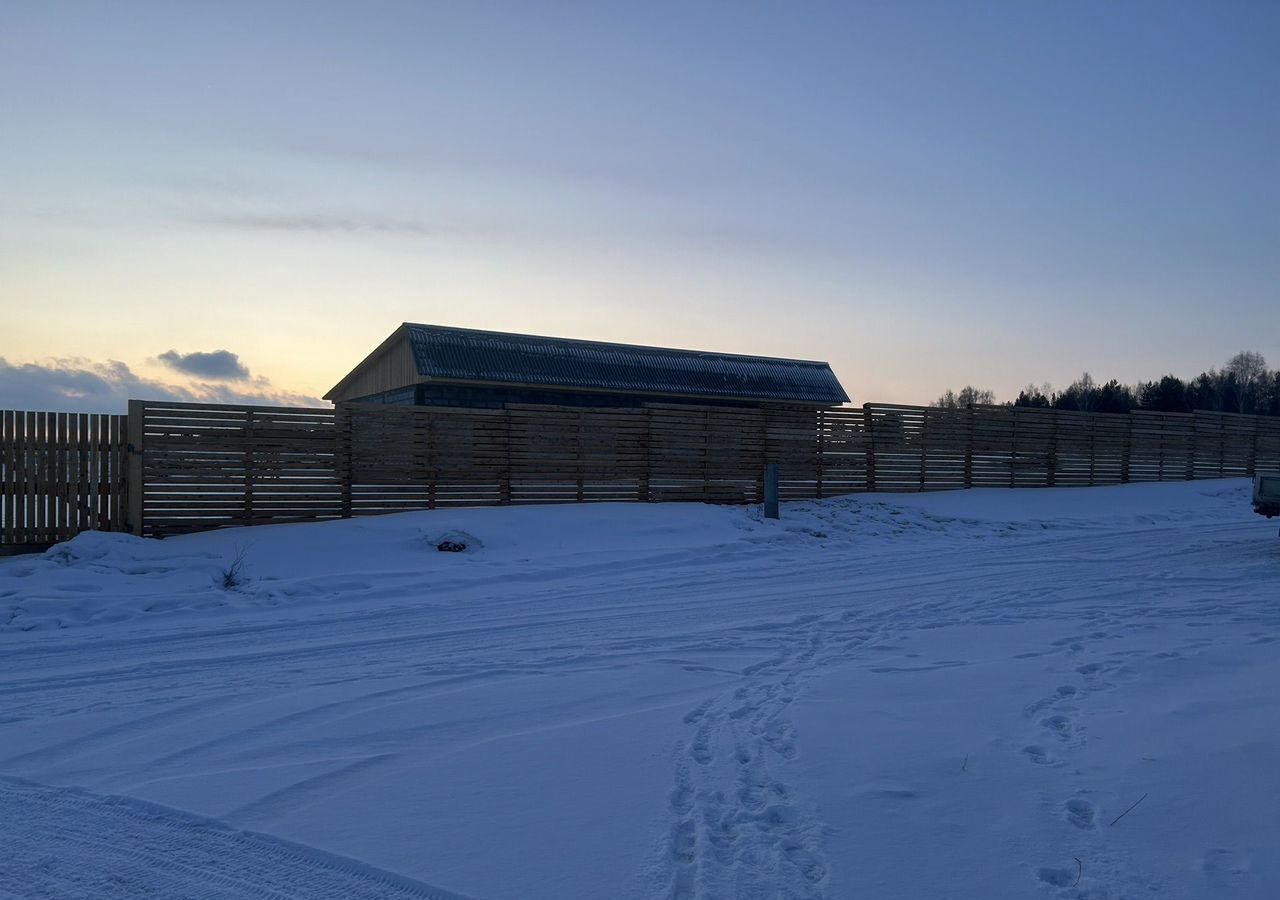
(279, 726)
(267, 809)
(120, 733)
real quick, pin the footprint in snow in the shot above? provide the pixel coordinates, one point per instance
(1040, 756)
(1081, 813)
(701, 750)
(697, 712)
(1063, 693)
(1057, 877)
(1059, 725)
(1224, 867)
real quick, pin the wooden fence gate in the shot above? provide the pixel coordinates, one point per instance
(60, 474)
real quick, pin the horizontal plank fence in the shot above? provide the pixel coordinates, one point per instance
(205, 466)
(60, 474)
(201, 466)
(169, 468)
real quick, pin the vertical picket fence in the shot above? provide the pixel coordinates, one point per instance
(60, 474)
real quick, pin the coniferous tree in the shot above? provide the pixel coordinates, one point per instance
(1168, 394)
(1232, 394)
(1243, 385)
(1034, 397)
(1204, 393)
(1273, 395)
(1114, 397)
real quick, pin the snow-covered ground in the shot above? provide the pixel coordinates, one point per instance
(949, 695)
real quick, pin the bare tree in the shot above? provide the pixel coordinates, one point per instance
(1250, 370)
(1249, 367)
(1085, 390)
(976, 396)
(968, 395)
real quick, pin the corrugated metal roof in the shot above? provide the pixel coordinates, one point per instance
(490, 356)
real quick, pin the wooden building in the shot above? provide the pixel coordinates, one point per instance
(432, 365)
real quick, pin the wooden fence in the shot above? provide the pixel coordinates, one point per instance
(204, 466)
(191, 467)
(912, 448)
(60, 474)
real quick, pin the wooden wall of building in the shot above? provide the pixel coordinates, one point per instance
(391, 366)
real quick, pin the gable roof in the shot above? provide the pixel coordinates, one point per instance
(464, 354)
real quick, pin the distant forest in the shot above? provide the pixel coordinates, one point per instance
(1243, 385)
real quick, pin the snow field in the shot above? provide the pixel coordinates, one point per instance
(880, 696)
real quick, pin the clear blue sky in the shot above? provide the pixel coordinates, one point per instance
(923, 194)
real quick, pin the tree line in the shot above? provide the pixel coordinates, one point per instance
(1243, 385)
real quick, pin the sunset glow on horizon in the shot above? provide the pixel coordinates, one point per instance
(924, 195)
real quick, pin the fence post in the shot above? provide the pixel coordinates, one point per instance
(1093, 447)
(504, 477)
(924, 446)
(1222, 445)
(1251, 463)
(646, 468)
(822, 432)
(763, 436)
(248, 467)
(119, 467)
(706, 456)
(771, 490)
(1126, 450)
(968, 446)
(9, 490)
(1189, 470)
(1163, 449)
(579, 454)
(27, 489)
(40, 483)
(870, 456)
(134, 514)
(60, 504)
(101, 471)
(433, 468)
(1013, 446)
(345, 468)
(6, 476)
(1051, 475)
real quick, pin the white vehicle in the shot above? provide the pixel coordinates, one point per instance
(1266, 495)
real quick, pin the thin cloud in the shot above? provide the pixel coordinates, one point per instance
(216, 365)
(321, 223)
(82, 385)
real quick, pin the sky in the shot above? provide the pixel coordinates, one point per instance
(239, 201)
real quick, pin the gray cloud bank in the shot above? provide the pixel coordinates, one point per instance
(216, 365)
(81, 385)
